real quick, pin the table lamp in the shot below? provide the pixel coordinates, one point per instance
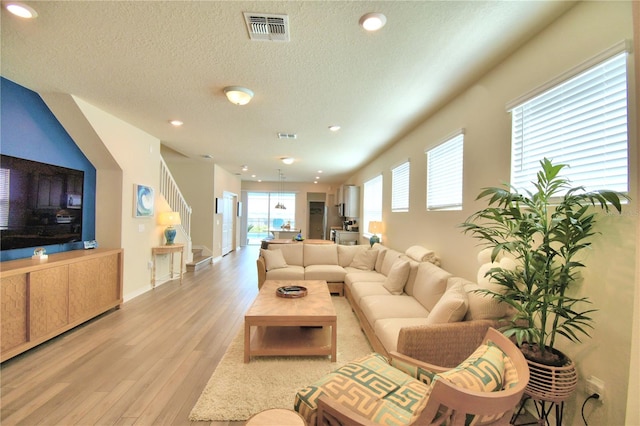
(375, 227)
(170, 219)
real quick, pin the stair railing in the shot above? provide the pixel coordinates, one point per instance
(169, 189)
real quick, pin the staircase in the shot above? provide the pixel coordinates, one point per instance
(200, 260)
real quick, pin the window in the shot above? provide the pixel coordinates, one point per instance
(444, 174)
(581, 122)
(372, 202)
(263, 217)
(400, 188)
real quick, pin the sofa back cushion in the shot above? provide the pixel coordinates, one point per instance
(292, 253)
(430, 284)
(347, 253)
(320, 254)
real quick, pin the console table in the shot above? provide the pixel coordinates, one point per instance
(167, 249)
(44, 298)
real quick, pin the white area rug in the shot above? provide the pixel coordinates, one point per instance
(237, 390)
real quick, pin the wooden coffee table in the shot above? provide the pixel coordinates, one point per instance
(305, 326)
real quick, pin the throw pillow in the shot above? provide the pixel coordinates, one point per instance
(365, 260)
(451, 307)
(397, 277)
(483, 371)
(273, 259)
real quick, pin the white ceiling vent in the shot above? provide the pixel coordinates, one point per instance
(267, 27)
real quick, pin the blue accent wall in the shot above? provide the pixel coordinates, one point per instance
(30, 130)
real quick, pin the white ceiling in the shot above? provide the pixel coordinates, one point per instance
(147, 62)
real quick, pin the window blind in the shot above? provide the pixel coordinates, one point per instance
(581, 122)
(444, 175)
(400, 188)
(372, 202)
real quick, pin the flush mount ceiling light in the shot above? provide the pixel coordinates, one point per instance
(287, 160)
(238, 95)
(21, 10)
(373, 21)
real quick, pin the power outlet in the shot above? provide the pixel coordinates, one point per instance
(595, 385)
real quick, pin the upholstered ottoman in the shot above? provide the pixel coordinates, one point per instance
(371, 387)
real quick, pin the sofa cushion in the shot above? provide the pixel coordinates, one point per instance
(413, 273)
(378, 307)
(387, 330)
(361, 289)
(482, 371)
(451, 307)
(370, 387)
(291, 272)
(365, 260)
(273, 259)
(382, 251)
(430, 284)
(320, 254)
(397, 277)
(390, 258)
(328, 273)
(347, 253)
(292, 252)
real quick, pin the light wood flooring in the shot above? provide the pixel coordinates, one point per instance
(145, 363)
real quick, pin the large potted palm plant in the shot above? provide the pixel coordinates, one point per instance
(545, 231)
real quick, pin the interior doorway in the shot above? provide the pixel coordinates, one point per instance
(317, 220)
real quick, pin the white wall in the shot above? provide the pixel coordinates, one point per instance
(138, 155)
(610, 278)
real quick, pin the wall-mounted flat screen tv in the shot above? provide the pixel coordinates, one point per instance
(40, 204)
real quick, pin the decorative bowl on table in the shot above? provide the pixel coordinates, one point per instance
(291, 291)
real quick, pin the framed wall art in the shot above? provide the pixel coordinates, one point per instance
(143, 201)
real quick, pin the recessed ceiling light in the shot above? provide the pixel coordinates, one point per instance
(315, 181)
(373, 21)
(334, 128)
(245, 168)
(319, 171)
(21, 10)
(176, 123)
(287, 160)
(317, 177)
(253, 176)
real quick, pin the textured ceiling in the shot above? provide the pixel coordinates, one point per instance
(147, 62)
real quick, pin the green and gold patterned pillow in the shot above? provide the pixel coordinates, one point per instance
(482, 371)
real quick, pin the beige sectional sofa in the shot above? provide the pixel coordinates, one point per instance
(405, 302)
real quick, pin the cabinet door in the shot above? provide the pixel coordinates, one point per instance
(84, 281)
(49, 300)
(13, 313)
(109, 290)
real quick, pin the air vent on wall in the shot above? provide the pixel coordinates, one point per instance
(267, 27)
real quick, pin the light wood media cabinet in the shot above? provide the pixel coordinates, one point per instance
(41, 299)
